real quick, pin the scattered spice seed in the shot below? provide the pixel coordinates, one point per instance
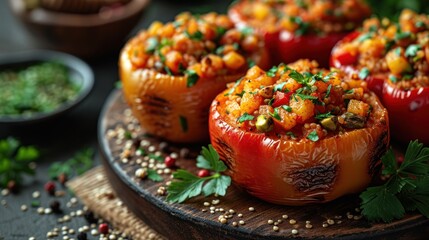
(24, 208)
(203, 173)
(292, 221)
(94, 232)
(5, 192)
(275, 228)
(35, 194)
(50, 188)
(206, 204)
(252, 209)
(308, 226)
(240, 215)
(330, 222)
(215, 201)
(270, 221)
(241, 222)
(170, 162)
(285, 216)
(103, 228)
(12, 186)
(325, 225)
(55, 206)
(235, 224)
(294, 231)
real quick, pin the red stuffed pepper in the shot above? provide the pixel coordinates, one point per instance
(394, 60)
(298, 134)
(171, 72)
(300, 29)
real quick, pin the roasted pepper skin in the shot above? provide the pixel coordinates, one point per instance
(408, 110)
(300, 172)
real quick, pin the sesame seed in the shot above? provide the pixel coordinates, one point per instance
(212, 208)
(24, 208)
(94, 232)
(71, 231)
(240, 215)
(5, 192)
(231, 211)
(251, 209)
(241, 222)
(223, 220)
(203, 210)
(40, 210)
(292, 221)
(270, 221)
(275, 228)
(212, 212)
(308, 226)
(235, 224)
(279, 221)
(285, 216)
(276, 223)
(325, 225)
(330, 222)
(294, 231)
(35, 194)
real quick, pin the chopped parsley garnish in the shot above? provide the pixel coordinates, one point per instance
(15, 160)
(245, 117)
(364, 37)
(233, 88)
(154, 176)
(302, 26)
(151, 44)
(307, 97)
(167, 69)
(328, 91)
(313, 136)
(250, 63)
(188, 185)
(364, 73)
(287, 108)
(407, 188)
(191, 77)
(393, 78)
(195, 36)
(412, 50)
(291, 134)
(246, 31)
(156, 157)
(183, 123)
(323, 115)
(402, 35)
(220, 31)
(272, 72)
(275, 114)
(279, 87)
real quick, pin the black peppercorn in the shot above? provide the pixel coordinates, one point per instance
(90, 218)
(55, 206)
(82, 236)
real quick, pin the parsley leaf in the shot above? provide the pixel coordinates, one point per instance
(195, 36)
(151, 44)
(272, 72)
(323, 115)
(407, 189)
(245, 117)
(154, 176)
(15, 160)
(287, 108)
(412, 50)
(279, 87)
(364, 73)
(313, 136)
(80, 162)
(191, 77)
(275, 114)
(187, 185)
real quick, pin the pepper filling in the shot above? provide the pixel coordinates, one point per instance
(297, 101)
(195, 46)
(304, 16)
(398, 50)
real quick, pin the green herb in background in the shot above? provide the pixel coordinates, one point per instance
(188, 185)
(81, 162)
(392, 8)
(15, 160)
(38, 88)
(407, 188)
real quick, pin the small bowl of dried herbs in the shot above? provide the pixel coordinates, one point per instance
(38, 85)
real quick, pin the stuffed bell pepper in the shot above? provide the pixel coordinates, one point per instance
(394, 59)
(171, 72)
(298, 134)
(300, 29)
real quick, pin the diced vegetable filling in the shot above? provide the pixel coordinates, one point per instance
(305, 16)
(195, 46)
(398, 50)
(297, 101)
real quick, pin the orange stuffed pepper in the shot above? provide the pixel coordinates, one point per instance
(298, 134)
(171, 72)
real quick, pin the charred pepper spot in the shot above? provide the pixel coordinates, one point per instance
(315, 178)
(380, 149)
(225, 152)
(156, 105)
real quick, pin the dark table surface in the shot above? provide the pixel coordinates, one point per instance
(60, 138)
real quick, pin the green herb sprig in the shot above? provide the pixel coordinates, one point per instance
(15, 160)
(80, 162)
(188, 185)
(407, 189)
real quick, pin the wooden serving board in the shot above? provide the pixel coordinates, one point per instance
(193, 220)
